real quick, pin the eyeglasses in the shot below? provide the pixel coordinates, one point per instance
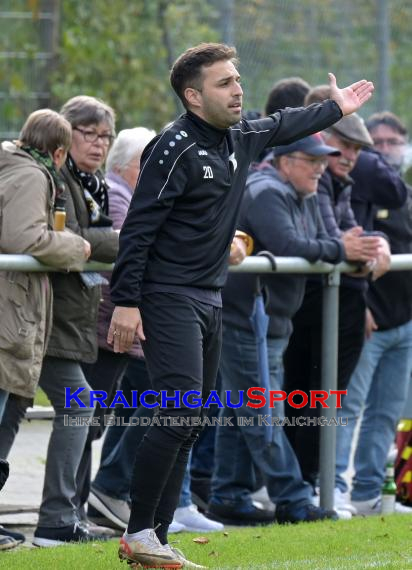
(388, 142)
(314, 162)
(92, 136)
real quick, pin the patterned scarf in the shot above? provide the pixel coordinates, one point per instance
(95, 190)
(45, 160)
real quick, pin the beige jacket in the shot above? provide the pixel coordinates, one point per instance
(26, 218)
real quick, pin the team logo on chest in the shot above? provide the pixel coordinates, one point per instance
(207, 172)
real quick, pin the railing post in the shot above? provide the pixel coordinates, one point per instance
(330, 319)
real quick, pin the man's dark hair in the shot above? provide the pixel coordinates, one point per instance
(317, 94)
(187, 69)
(389, 119)
(287, 92)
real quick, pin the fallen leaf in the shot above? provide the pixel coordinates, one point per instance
(201, 540)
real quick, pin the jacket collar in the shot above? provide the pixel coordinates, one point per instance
(206, 134)
(339, 182)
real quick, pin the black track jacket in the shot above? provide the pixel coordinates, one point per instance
(183, 214)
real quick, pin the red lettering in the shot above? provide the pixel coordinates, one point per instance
(297, 393)
(258, 397)
(339, 394)
(318, 396)
(276, 396)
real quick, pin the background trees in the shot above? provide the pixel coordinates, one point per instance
(121, 50)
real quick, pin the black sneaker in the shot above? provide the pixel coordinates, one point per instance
(244, 514)
(99, 529)
(17, 536)
(51, 536)
(97, 519)
(7, 542)
(303, 513)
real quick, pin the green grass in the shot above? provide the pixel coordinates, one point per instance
(360, 544)
(41, 400)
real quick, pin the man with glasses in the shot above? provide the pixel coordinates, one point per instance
(389, 136)
(280, 211)
(303, 368)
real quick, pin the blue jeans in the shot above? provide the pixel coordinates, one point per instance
(185, 499)
(3, 401)
(379, 387)
(233, 479)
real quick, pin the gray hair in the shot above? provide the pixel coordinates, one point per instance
(85, 110)
(128, 144)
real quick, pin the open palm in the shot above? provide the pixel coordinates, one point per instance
(351, 98)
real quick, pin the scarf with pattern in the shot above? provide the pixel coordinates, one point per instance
(46, 161)
(95, 191)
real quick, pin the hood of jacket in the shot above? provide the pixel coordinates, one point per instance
(258, 180)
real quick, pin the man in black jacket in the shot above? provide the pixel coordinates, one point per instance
(172, 262)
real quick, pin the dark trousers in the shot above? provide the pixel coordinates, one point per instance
(119, 447)
(303, 369)
(105, 374)
(14, 412)
(182, 350)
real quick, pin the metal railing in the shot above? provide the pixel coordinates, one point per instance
(329, 329)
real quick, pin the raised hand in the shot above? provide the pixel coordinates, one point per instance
(351, 98)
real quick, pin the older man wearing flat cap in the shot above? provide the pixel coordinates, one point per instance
(303, 355)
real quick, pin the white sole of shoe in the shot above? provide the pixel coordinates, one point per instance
(48, 542)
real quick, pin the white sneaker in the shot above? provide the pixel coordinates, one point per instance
(175, 527)
(341, 504)
(342, 501)
(343, 514)
(194, 521)
(145, 548)
(402, 509)
(369, 507)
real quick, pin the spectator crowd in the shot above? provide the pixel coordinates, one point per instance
(335, 195)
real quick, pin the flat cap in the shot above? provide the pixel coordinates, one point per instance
(353, 129)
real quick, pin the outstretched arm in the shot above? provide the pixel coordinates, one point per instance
(351, 98)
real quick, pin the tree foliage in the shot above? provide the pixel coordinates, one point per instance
(122, 52)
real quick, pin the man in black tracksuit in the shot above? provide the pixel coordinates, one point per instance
(172, 262)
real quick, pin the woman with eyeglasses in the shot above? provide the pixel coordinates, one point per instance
(73, 338)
